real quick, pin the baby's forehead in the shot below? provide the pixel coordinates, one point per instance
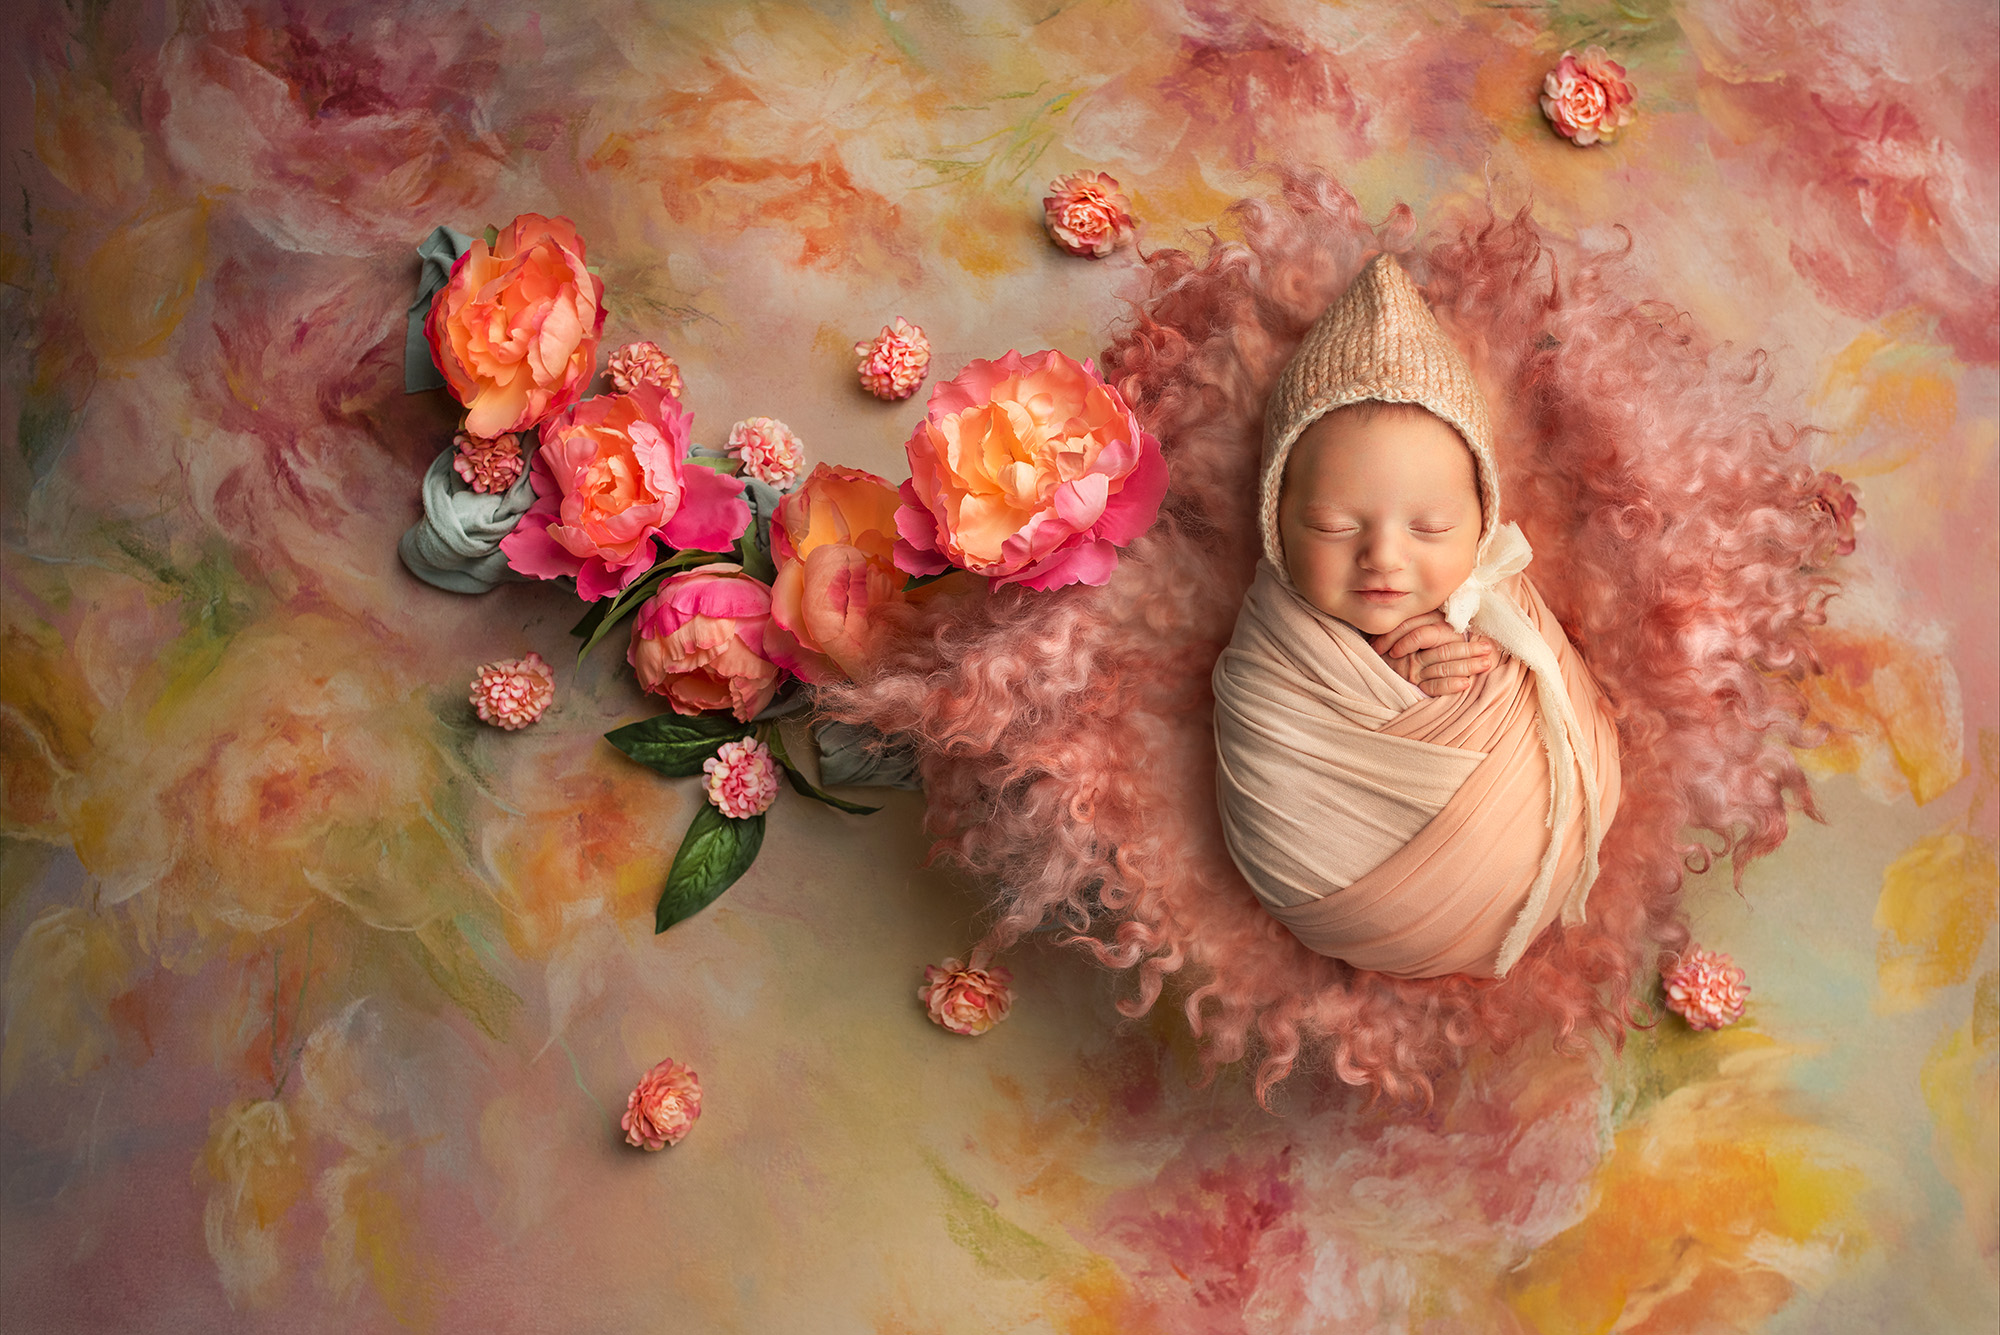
(1382, 448)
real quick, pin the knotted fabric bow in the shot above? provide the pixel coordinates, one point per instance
(1479, 604)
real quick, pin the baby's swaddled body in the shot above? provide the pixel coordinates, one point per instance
(1395, 830)
(1412, 829)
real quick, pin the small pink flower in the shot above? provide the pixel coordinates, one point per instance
(638, 364)
(896, 362)
(490, 465)
(1839, 502)
(513, 692)
(1087, 214)
(966, 998)
(663, 1109)
(771, 451)
(1588, 100)
(742, 778)
(1705, 989)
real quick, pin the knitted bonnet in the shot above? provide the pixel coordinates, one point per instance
(1379, 341)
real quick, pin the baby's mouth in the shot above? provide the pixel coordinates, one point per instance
(1380, 595)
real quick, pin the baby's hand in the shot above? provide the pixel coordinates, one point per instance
(1426, 651)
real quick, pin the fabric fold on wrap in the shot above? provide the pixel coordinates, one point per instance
(1412, 835)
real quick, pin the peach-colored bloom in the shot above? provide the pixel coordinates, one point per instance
(663, 1109)
(771, 451)
(1588, 100)
(1087, 214)
(834, 542)
(609, 477)
(966, 998)
(1030, 471)
(489, 465)
(1705, 989)
(742, 778)
(638, 364)
(513, 692)
(1839, 502)
(515, 331)
(700, 642)
(896, 362)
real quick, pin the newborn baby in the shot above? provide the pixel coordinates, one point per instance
(1402, 794)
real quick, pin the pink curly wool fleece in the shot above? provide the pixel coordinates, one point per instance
(1065, 737)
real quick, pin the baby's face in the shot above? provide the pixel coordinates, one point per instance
(1379, 514)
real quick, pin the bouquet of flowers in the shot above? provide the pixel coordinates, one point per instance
(745, 579)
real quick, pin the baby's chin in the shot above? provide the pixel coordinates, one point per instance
(1373, 621)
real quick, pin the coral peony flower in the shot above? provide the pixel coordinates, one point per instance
(771, 451)
(609, 476)
(1705, 989)
(700, 640)
(896, 362)
(515, 331)
(1087, 214)
(1838, 500)
(638, 364)
(1588, 100)
(489, 465)
(1030, 471)
(663, 1109)
(742, 778)
(513, 692)
(966, 998)
(834, 542)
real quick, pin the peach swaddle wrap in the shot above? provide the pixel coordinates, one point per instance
(1412, 835)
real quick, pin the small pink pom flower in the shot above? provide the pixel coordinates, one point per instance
(771, 451)
(1087, 214)
(896, 362)
(967, 998)
(638, 364)
(489, 464)
(1588, 100)
(513, 692)
(663, 1109)
(1705, 989)
(1838, 503)
(742, 778)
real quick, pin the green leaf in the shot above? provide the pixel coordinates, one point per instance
(750, 554)
(918, 581)
(717, 851)
(591, 620)
(676, 744)
(729, 466)
(492, 235)
(803, 786)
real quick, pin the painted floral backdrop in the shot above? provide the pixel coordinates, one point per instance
(321, 1000)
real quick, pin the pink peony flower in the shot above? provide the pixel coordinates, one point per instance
(966, 998)
(896, 362)
(771, 451)
(1705, 989)
(700, 642)
(610, 475)
(834, 542)
(1839, 503)
(489, 465)
(1087, 214)
(742, 778)
(663, 1109)
(638, 364)
(1030, 471)
(513, 692)
(1588, 100)
(514, 333)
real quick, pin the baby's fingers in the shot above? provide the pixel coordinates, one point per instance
(1406, 639)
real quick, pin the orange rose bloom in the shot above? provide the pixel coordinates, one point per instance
(514, 333)
(834, 543)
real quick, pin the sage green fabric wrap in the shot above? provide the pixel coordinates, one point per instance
(438, 253)
(456, 545)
